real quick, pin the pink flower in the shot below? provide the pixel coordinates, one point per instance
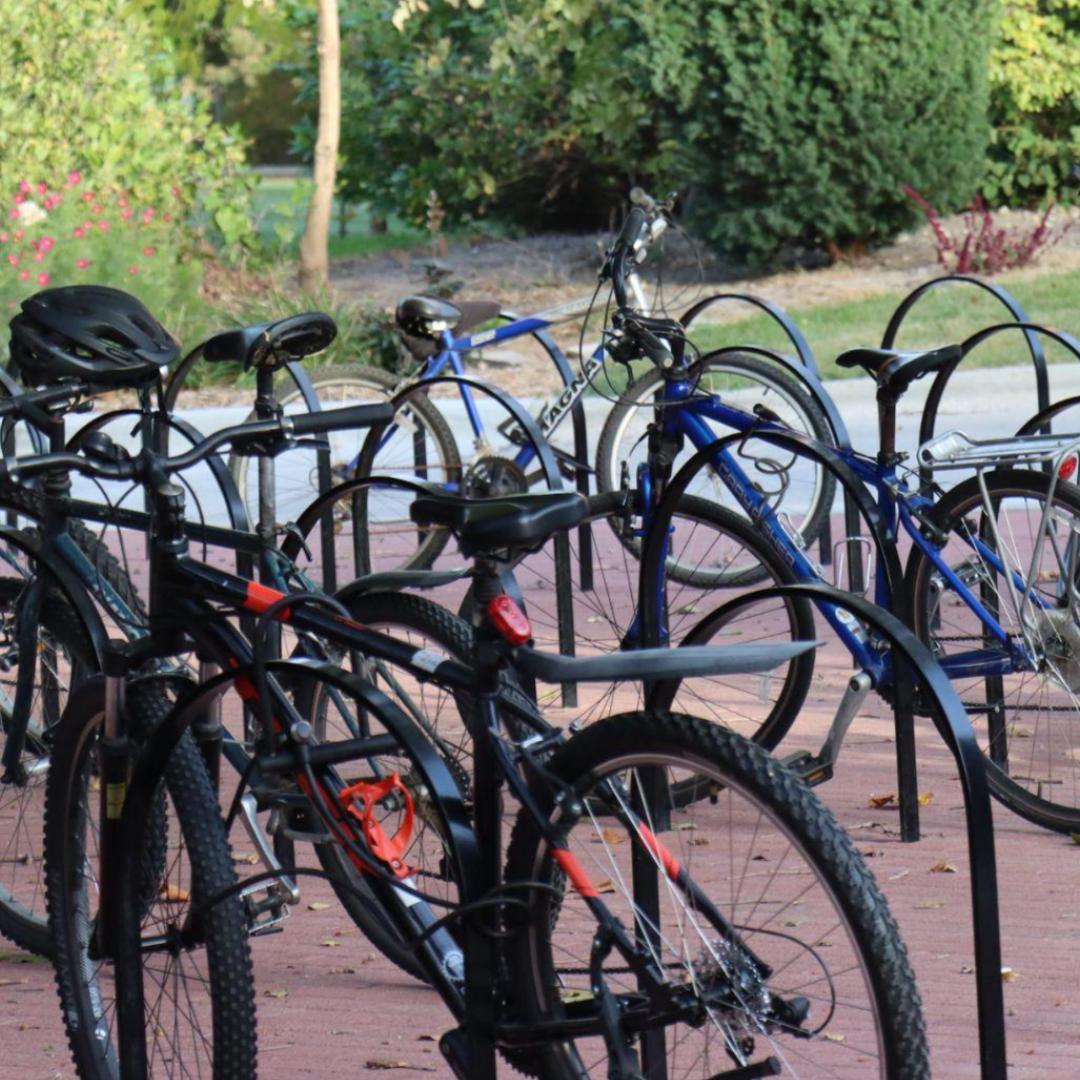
(20, 199)
(148, 251)
(88, 196)
(39, 256)
(43, 278)
(149, 214)
(18, 234)
(103, 225)
(80, 232)
(13, 214)
(24, 275)
(88, 225)
(81, 264)
(126, 213)
(51, 201)
(13, 259)
(24, 187)
(176, 191)
(4, 238)
(42, 188)
(166, 217)
(133, 268)
(46, 243)
(96, 208)
(74, 178)
(122, 201)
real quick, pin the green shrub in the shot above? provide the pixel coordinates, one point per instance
(72, 231)
(86, 86)
(804, 117)
(1035, 103)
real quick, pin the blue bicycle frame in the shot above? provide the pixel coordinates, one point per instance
(683, 416)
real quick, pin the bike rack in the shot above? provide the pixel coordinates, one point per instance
(1029, 330)
(802, 366)
(883, 535)
(552, 477)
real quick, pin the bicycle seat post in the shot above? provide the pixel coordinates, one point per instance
(887, 398)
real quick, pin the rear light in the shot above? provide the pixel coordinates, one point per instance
(509, 620)
(1067, 468)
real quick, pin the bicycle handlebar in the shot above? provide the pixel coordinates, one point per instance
(239, 436)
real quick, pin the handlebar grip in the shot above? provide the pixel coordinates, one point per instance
(635, 222)
(354, 416)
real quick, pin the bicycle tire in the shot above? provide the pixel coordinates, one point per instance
(760, 794)
(356, 383)
(84, 993)
(797, 402)
(1043, 747)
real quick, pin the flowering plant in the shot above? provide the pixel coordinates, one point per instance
(68, 231)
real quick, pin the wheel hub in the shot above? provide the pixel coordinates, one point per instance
(1058, 635)
(494, 476)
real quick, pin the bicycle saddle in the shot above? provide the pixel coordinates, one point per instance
(421, 319)
(487, 525)
(895, 370)
(273, 344)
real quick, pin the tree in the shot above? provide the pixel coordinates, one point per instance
(314, 245)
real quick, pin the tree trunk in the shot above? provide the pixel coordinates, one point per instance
(314, 245)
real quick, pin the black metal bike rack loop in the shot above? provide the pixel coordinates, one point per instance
(549, 467)
(802, 366)
(888, 560)
(955, 729)
(928, 422)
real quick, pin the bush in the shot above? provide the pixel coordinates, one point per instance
(70, 231)
(804, 116)
(87, 84)
(1035, 103)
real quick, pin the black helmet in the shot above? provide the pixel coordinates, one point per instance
(102, 336)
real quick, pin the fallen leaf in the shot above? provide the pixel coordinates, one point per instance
(329, 943)
(878, 801)
(1075, 837)
(614, 836)
(926, 905)
(901, 874)
(832, 1037)
(343, 971)
(926, 798)
(173, 894)
(276, 993)
(387, 1063)
(1018, 732)
(319, 905)
(605, 886)
(943, 868)
(248, 857)
(696, 840)
(683, 826)
(1008, 975)
(966, 969)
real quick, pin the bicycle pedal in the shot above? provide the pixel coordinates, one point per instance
(265, 916)
(454, 1046)
(808, 767)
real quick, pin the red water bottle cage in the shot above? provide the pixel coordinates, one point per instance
(361, 799)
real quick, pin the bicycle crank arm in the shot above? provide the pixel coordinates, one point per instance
(769, 1067)
(257, 835)
(817, 769)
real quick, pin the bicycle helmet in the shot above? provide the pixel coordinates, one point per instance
(98, 335)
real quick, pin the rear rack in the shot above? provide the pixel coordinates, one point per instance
(954, 450)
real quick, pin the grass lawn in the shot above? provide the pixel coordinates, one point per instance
(948, 314)
(280, 203)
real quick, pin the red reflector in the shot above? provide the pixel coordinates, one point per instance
(509, 620)
(1068, 467)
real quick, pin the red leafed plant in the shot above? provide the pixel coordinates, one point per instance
(982, 245)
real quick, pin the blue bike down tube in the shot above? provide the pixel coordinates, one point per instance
(757, 508)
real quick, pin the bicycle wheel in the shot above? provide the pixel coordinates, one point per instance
(1026, 714)
(742, 381)
(197, 976)
(420, 445)
(787, 951)
(64, 656)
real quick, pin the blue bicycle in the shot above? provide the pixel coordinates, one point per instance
(990, 580)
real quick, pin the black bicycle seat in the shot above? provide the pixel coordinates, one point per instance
(488, 525)
(895, 370)
(273, 344)
(421, 319)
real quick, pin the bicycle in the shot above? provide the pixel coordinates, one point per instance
(638, 980)
(957, 568)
